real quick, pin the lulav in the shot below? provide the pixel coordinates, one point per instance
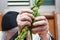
(23, 33)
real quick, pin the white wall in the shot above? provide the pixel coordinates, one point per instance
(3, 5)
(58, 5)
(58, 15)
(42, 8)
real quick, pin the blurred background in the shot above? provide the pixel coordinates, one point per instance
(16, 5)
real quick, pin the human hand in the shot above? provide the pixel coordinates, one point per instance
(24, 18)
(42, 27)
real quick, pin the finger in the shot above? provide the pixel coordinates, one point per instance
(40, 18)
(31, 15)
(40, 23)
(25, 18)
(43, 32)
(18, 19)
(27, 14)
(39, 29)
(26, 23)
(26, 11)
(23, 24)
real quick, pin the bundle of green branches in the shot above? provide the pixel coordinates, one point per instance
(23, 33)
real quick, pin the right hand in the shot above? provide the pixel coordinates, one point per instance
(24, 18)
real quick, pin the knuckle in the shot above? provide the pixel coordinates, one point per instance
(39, 18)
(26, 11)
(27, 23)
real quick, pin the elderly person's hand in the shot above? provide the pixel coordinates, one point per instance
(25, 18)
(42, 27)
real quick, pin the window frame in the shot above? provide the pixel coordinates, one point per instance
(19, 3)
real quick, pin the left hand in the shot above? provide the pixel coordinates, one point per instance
(42, 27)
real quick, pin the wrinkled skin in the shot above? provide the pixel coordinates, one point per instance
(25, 17)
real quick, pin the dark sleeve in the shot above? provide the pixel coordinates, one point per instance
(9, 20)
(15, 36)
(52, 38)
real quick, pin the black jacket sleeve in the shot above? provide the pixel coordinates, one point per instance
(9, 20)
(14, 36)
